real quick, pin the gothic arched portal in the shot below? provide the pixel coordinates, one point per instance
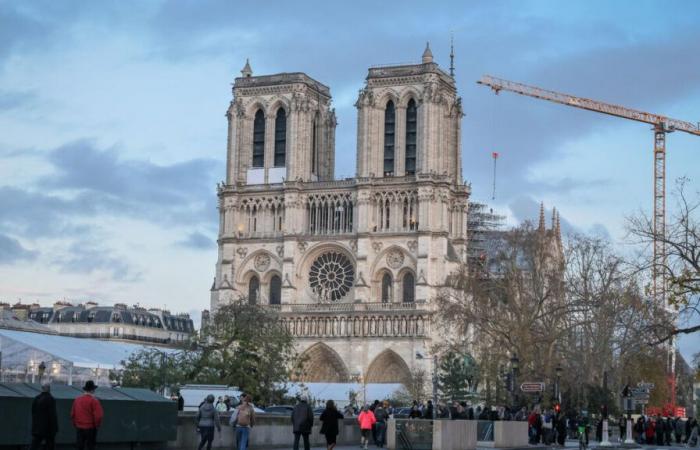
(320, 363)
(388, 367)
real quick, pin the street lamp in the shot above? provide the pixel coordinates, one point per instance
(514, 365)
(558, 370)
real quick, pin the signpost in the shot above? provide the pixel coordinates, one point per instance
(532, 386)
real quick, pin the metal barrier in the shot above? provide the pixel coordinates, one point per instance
(484, 431)
(414, 434)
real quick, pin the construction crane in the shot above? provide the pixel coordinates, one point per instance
(661, 126)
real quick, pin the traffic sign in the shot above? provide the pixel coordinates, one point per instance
(532, 386)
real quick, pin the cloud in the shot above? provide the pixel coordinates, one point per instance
(88, 182)
(11, 251)
(197, 241)
(10, 100)
(87, 256)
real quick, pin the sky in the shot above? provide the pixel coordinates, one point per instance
(113, 134)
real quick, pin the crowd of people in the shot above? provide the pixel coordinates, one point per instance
(654, 430)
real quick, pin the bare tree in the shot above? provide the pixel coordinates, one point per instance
(681, 266)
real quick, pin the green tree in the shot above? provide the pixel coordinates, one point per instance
(458, 375)
(246, 346)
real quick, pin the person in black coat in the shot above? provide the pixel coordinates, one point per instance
(302, 422)
(44, 419)
(329, 429)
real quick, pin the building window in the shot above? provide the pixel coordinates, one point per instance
(259, 139)
(275, 290)
(331, 276)
(389, 128)
(280, 138)
(409, 288)
(314, 146)
(411, 131)
(253, 290)
(386, 288)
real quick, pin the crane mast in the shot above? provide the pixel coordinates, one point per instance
(661, 126)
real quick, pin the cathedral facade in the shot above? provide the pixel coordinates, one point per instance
(352, 264)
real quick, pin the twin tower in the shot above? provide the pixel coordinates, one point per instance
(282, 127)
(352, 265)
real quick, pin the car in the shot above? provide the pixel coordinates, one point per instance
(402, 413)
(279, 410)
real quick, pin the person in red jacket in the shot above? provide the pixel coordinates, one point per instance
(367, 421)
(86, 415)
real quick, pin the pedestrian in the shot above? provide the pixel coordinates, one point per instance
(302, 423)
(649, 432)
(428, 413)
(207, 419)
(659, 431)
(366, 420)
(329, 428)
(44, 419)
(668, 430)
(86, 415)
(693, 439)
(243, 420)
(381, 415)
(622, 425)
(180, 402)
(227, 402)
(678, 429)
(561, 428)
(415, 411)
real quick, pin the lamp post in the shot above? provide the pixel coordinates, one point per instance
(557, 393)
(514, 366)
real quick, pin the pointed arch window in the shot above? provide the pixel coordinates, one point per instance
(253, 290)
(411, 134)
(275, 290)
(280, 138)
(259, 139)
(409, 288)
(314, 146)
(386, 288)
(389, 130)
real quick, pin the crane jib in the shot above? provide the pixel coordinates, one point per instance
(666, 124)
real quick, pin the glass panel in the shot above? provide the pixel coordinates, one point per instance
(386, 288)
(409, 288)
(411, 132)
(275, 290)
(253, 290)
(280, 138)
(259, 139)
(389, 128)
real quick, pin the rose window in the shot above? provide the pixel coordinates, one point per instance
(331, 276)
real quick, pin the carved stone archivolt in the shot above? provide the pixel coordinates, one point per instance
(261, 262)
(395, 258)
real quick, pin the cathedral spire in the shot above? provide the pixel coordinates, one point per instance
(554, 218)
(452, 55)
(427, 54)
(557, 228)
(541, 226)
(247, 71)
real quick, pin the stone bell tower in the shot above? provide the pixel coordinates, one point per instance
(280, 128)
(409, 122)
